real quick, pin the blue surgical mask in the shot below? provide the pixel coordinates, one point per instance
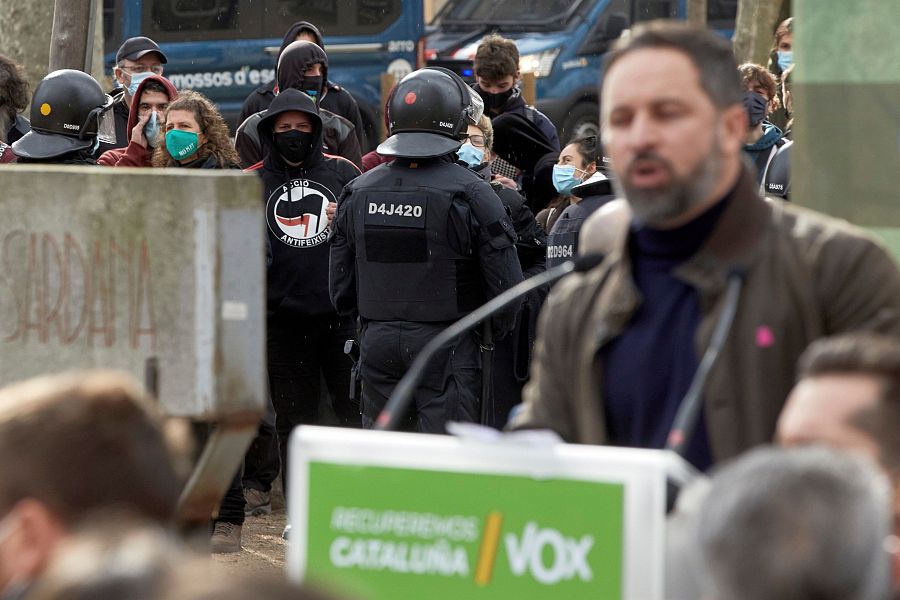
(136, 80)
(470, 155)
(785, 59)
(151, 130)
(564, 179)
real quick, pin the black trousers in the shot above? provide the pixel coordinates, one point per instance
(301, 353)
(451, 385)
(262, 461)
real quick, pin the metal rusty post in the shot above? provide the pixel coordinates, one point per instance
(529, 88)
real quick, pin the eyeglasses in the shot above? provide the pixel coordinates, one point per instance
(155, 69)
(475, 140)
(143, 109)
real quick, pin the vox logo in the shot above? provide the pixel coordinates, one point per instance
(565, 559)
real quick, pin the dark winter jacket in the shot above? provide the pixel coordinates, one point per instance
(135, 155)
(516, 105)
(763, 150)
(562, 243)
(296, 199)
(20, 126)
(339, 134)
(531, 241)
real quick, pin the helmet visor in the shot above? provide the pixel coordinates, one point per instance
(106, 126)
(476, 106)
(105, 122)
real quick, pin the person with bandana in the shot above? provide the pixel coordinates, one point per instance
(145, 122)
(577, 177)
(137, 59)
(302, 66)
(760, 100)
(334, 98)
(497, 79)
(305, 336)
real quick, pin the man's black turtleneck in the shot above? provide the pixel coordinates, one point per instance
(648, 369)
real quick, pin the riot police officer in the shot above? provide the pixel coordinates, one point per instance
(418, 243)
(70, 115)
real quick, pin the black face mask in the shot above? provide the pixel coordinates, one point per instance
(756, 105)
(311, 85)
(294, 145)
(494, 102)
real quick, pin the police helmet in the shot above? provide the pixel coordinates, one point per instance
(428, 111)
(69, 111)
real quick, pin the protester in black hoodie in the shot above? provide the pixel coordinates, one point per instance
(305, 336)
(334, 98)
(302, 66)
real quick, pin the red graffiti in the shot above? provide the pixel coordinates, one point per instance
(55, 291)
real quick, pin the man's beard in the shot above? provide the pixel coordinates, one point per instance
(656, 206)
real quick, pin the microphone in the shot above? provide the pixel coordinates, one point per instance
(396, 406)
(689, 410)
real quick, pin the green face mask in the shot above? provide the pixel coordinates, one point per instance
(181, 144)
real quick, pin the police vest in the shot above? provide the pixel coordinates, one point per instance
(778, 175)
(415, 255)
(561, 246)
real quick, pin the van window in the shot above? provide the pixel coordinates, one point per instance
(721, 14)
(509, 11)
(190, 20)
(332, 17)
(647, 10)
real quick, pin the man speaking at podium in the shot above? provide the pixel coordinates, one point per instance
(698, 270)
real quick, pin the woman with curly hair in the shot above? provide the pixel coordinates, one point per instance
(196, 136)
(14, 97)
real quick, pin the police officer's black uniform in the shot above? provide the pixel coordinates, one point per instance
(419, 243)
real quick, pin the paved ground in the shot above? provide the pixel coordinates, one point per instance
(263, 548)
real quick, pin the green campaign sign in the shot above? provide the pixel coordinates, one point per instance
(394, 516)
(396, 533)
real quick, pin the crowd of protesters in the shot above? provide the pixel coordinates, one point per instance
(712, 300)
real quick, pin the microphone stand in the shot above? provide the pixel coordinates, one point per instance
(390, 416)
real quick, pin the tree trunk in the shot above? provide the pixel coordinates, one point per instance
(72, 40)
(754, 29)
(25, 31)
(696, 12)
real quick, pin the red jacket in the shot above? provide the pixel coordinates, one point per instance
(135, 155)
(6, 154)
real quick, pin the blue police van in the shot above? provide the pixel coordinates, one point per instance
(562, 42)
(225, 49)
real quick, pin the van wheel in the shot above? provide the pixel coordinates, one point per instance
(583, 119)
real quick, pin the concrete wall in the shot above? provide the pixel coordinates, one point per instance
(847, 132)
(109, 267)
